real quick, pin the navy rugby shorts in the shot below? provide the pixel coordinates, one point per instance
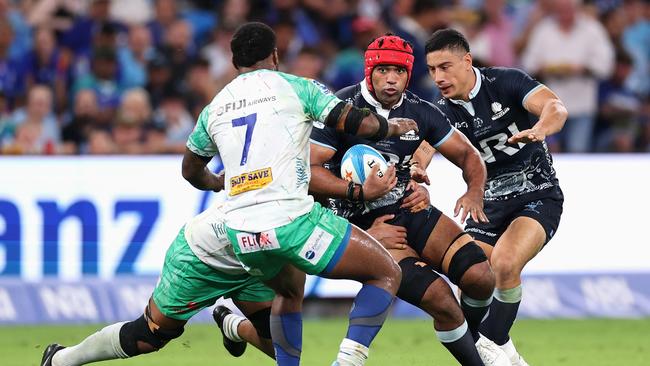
(545, 209)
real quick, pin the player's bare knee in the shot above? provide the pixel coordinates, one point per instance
(144, 336)
(392, 277)
(478, 281)
(505, 268)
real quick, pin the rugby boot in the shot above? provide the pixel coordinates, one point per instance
(49, 353)
(234, 348)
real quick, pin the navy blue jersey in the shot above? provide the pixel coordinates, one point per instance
(434, 127)
(494, 113)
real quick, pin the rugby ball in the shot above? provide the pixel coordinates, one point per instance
(359, 160)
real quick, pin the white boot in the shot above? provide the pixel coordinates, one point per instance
(513, 355)
(491, 354)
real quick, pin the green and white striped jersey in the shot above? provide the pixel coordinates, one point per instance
(259, 125)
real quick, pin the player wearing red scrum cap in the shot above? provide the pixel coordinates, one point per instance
(422, 240)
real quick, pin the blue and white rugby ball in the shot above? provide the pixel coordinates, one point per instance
(359, 160)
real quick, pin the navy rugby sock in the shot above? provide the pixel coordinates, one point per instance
(474, 311)
(460, 344)
(368, 314)
(286, 331)
(503, 312)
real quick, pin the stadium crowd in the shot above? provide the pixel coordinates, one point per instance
(131, 76)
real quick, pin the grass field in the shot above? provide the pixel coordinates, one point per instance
(402, 342)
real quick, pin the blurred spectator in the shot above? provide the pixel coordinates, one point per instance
(22, 41)
(166, 13)
(47, 64)
(234, 11)
(287, 41)
(526, 18)
(100, 142)
(159, 78)
(131, 11)
(619, 109)
(80, 37)
(35, 128)
(179, 49)
(173, 125)
(425, 17)
(104, 82)
(12, 83)
(133, 119)
(308, 63)
(218, 53)
(347, 66)
(134, 56)
(636, 40)
(571, 53)
(498, 31)
(85, 117)
(201, 88)
(104, 38)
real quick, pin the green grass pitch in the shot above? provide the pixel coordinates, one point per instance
(592, 342)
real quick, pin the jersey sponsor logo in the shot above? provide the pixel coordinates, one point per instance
(321, 86)
(219, 229)
(257, 242)
(478, 122)
(250, 181)
(316, 245)
(272, 98)
(461, 124)
(441, 102)
(479, 231)
(410, 136)
(232, 106)
(498, 110)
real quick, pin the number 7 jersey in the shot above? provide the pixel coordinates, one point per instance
(259, 124)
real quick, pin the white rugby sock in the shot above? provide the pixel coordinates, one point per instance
(103, 345)
(230, 324)
(352, 353)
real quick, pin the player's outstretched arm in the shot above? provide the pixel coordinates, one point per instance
(365, 123)
(460, 151)
(324, 183)
(551, 112)
(195, 170)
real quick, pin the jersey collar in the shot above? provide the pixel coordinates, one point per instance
(475, 89)
(367, 96)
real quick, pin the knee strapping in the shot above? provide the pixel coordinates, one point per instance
(141, 330)
(262, 323)
(417, 276)
(467, 256)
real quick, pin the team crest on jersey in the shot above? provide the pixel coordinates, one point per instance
(410, 136)
(256, 242)
(498, 110)
(250, 181)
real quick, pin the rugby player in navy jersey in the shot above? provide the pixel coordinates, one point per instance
(506, 115)
(396, 210)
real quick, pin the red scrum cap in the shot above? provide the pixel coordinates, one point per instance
(388, 50)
